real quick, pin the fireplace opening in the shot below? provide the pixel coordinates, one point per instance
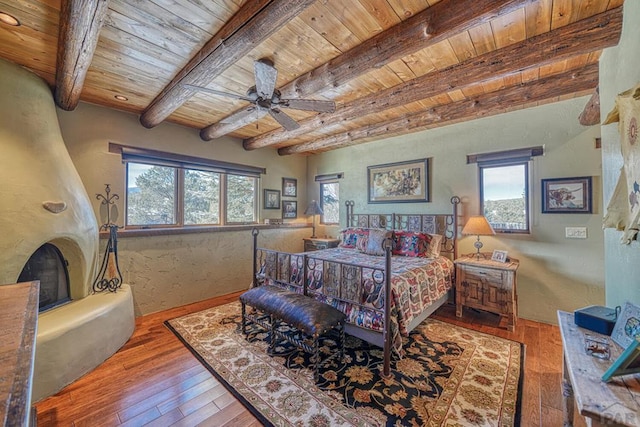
(48, 265)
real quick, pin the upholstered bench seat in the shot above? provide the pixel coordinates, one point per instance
(305, 314)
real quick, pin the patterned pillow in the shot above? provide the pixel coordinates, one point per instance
(349, 237)
(376, 238)
(435, 245)
(409, 243)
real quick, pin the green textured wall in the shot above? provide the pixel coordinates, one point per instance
(555, 272)
(619, 71)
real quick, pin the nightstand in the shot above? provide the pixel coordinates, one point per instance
(317, 243)
(487, 285)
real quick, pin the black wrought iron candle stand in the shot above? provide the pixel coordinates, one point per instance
(109, 276)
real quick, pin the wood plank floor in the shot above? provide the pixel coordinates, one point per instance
(155, 381)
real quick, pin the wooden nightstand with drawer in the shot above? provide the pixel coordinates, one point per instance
(317, 243)
(487, 285)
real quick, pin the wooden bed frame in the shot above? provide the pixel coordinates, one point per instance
(287, 270)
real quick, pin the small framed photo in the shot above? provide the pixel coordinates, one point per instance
(289, 187)
(289, 209)
(627, 327)
(500, 256)
(567, 195)
(627, 363)
(271, 199)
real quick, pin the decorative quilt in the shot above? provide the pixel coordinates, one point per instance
(416, 283)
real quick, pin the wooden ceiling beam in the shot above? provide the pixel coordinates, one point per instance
(591, 114)
(80, 24)
(250, 26)
(483, 105)
(433, 25)
(585, 36)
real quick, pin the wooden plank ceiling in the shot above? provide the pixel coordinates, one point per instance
(391, 66)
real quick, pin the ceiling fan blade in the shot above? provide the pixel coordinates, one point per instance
(245, 116)
(309, 105)
(287, 122)
(217, 92)
(266, 75)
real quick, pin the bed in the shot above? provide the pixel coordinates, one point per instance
(380, 282)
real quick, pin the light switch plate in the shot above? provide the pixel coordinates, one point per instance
(575, 232)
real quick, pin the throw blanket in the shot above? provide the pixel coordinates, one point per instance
(416, 284)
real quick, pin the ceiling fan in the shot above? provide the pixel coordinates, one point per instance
(265, 98)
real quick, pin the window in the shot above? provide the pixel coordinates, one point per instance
(504, 195)
(169, 190)
(330, 202)
(504, 187)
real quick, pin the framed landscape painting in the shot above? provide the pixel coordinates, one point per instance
(399, 182)
(566, 195)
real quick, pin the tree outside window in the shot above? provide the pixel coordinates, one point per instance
(170, 196)
(504, 196)
(330, 202)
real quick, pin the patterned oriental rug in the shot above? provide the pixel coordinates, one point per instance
(449, 376)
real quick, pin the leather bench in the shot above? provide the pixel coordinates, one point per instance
(306, 314)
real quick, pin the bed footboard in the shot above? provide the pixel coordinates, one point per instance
(361, 292)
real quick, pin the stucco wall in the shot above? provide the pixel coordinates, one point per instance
(619, 71)
(172, 270)
(555, 273)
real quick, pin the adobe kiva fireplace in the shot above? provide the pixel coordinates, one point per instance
(43, 204)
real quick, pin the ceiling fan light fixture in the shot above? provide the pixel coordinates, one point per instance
(5, 18)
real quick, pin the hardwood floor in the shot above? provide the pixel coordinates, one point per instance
(154, 380)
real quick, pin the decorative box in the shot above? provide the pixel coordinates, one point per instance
(596, 318)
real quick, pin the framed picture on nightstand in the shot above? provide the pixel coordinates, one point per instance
(500, 256)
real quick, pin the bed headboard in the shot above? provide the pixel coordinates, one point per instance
(444, 224)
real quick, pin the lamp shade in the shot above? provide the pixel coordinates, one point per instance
(313, 208)
(478, 226)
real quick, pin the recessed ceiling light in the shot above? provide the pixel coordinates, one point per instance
(9, 20)
(121, 98)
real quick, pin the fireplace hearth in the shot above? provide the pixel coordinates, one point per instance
(49, 267)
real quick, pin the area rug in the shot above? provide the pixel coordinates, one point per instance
(449, 376)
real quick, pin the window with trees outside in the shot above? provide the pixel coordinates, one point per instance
(168, 196)
(330, 202)
(504, 195)
(171, 190)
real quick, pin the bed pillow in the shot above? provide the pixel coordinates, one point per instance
(435, 245)
(349, 237)
(376, 238)
(409, 243)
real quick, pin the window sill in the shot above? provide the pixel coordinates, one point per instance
(143, 232)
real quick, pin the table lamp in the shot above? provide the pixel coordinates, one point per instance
(478, 226)
(313, 209)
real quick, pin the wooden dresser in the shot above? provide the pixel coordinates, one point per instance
(18, 317)
(487, 285)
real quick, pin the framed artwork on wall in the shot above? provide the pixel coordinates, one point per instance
(289, 187)
(399, 182)
(289, 209)
(271, 199)
(567, 195)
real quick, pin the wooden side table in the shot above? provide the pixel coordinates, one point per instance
(487, 285)
(317, 243)
(616, 402)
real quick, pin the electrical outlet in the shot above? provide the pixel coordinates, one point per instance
(575, 232)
